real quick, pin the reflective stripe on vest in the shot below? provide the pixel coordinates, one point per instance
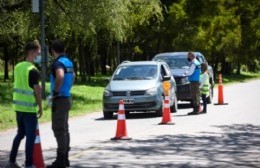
(206, 87)
(69, 70)
(22, 103)
(25, 92)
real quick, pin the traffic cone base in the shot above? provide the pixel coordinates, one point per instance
(166, 118)
(121, 131)
(168, 123)
(120, 138)
(221, 104)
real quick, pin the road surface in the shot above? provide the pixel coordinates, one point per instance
(228, 136)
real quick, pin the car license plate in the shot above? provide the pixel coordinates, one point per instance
(129, 101)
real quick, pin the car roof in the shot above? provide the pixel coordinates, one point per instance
(177, 54)
(141, 63)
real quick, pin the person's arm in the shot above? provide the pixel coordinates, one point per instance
(203, 81)
(59, 77)
(34, 84)
(38, 96)
(191, 71)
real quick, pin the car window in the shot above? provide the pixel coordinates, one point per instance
(175, 62)
(136, 72)
(163, 71)
(167, 71)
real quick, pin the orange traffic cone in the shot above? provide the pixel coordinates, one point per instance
(121, 131)
(37, 151)
(220, 92)
(166, 119)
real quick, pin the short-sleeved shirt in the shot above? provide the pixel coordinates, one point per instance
(57, 65)
(33, 78)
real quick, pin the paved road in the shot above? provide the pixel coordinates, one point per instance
(228, 136)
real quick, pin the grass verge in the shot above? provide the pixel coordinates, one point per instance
(86, 98)
(243, 77)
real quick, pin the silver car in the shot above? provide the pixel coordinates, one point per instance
(139, 84)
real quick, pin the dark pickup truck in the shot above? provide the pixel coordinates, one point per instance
(178, 64)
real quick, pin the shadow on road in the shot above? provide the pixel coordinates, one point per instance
(184, 105)
(236, 146)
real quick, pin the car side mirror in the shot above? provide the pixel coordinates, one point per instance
(166, 78)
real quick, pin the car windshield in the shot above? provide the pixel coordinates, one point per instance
(175, 62)
(136, 72)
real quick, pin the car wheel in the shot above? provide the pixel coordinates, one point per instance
(210, 97)
(174, 107)
(108, 115)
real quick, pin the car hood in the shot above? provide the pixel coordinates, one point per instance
(131, 85)
(178, 72)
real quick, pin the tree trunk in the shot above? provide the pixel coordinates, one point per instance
(238, 68)
(118, 53)
(103, 60)
(6, 59)
(82, 66)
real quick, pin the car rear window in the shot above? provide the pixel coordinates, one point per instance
(175, 62)
(136, 72)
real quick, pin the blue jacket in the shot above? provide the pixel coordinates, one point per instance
(68, 76)
(195, 77)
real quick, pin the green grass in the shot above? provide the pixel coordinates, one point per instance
(86, 98)
(234, 78)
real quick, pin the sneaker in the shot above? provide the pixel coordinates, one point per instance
(12, 165)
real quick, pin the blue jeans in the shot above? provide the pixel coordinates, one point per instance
(26, 123)
(204, 100)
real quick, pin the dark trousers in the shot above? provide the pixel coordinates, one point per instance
(60, 126)
(195, 95)
(204, 101)
(26, 123)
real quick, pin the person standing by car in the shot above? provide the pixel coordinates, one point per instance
(194, 78)
(62, 79)
(26, 98)
(204, 85)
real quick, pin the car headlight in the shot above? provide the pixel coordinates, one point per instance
(107, 93)
(152, 91)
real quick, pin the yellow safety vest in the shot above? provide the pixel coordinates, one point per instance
(23, 95)
(206, 87)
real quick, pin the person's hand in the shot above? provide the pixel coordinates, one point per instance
(39, 115)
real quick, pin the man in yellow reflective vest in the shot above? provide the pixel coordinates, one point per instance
(26, 103)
